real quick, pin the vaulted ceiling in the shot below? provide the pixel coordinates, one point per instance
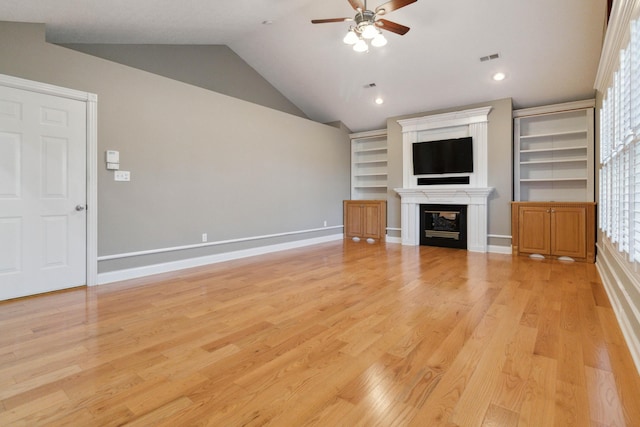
(548, 49)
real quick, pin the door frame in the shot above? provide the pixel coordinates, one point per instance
(91, 101)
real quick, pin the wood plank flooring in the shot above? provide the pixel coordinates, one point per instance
(338, 334)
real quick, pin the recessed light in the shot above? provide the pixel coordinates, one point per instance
(379, 101)
(499, 76)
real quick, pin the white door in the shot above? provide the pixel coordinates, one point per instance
(42, 193)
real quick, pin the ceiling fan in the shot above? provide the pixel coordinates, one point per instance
(367, 23)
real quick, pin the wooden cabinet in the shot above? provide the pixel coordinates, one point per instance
(365, 219)
(554, 229)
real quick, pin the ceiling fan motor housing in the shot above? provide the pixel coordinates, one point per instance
(366, 20)
(367, 17)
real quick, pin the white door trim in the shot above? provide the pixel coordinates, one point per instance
(91, 101)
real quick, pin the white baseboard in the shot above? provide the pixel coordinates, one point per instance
(624, 308)
(134, 273)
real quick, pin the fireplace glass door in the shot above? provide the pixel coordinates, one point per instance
(443, 225)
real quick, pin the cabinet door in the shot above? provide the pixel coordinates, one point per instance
(568, 232)
(534, 230)
(371, 215)
(354, 220)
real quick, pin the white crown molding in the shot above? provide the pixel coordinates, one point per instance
(368, 134)
(549, 109)
(436, 121)
(616, 38)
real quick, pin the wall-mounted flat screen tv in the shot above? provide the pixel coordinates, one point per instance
(444, 156)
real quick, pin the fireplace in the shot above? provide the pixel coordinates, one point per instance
(443, 190)
(443, 225)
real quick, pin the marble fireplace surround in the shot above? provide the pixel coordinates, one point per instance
(474, 195)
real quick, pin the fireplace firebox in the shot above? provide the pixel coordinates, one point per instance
(443, 225)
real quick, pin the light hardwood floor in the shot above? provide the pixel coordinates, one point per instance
(339, 334)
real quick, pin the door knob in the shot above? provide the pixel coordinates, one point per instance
(80, 208)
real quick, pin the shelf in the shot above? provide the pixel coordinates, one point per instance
(551, 179)
(544, 162)
(369, 165)
(547, 150)
(370, 174)
(369, 162)
(552, 134)
(369, 150)
(553, 156)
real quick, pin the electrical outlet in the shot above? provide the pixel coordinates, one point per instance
(204, 237)
(122, 176)
(325, 223)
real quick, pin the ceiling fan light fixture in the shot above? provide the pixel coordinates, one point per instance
(367, 24)
(351, 37)
(370, 31)
(361, 46)
(379, 41)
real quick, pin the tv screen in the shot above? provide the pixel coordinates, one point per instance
(444, 156)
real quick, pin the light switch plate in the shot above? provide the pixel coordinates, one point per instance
(113, 166)
(112, 156)
(122, 176)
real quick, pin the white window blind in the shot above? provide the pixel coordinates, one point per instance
(634, 76)
(615, 200)
(619, 182)
(624, 223)
(625, 93)
(604, 194)
(617, 110)
(635, 212)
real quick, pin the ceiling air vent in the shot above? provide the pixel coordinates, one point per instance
(490, 57)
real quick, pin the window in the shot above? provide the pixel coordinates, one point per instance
(620, 153)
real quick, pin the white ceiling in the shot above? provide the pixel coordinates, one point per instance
(549, 49)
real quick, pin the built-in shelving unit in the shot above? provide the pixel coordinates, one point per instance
(369, 165)
(553, 152)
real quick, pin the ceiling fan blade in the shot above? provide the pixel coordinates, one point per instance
(357, 5)
(325, 21)
(392, 26)
(393, 5)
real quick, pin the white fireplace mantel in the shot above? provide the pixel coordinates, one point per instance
(474, 198)
(474, 195)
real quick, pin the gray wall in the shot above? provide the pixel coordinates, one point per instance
(500, 136)
(213, 67)
(200, 162)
